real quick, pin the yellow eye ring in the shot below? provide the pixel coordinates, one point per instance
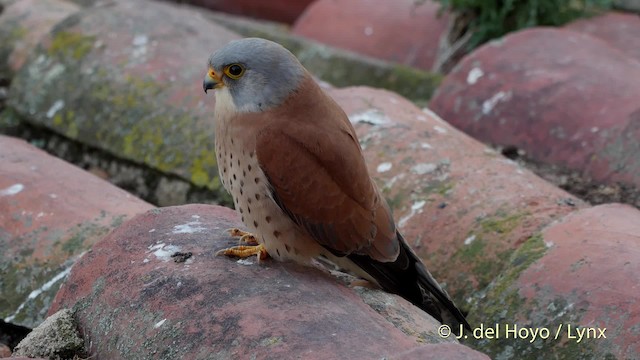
(234, 71)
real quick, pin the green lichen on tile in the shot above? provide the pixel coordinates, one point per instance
(97, 291)
(397, 201)
(201, 168)
(117, 220)
(71, 45)
(472, 251)
(486, 269)
(445, 188)
(482, 265)
(153, 139)
(26, 252)
(413, 83)
(484, 254)
(436, 187)
(529, 252)
(18, 33)
(501, 223)
(121, 113)
(10, 35)
(9, 120)
(9, 287)
(124, 118)
(73, 241)
(72, 244)
(64, 122)
(528, 348)
(17, 282)
(502, 304)
(270, 341)
(25, 274)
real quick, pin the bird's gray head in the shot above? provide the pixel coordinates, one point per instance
(258, 74)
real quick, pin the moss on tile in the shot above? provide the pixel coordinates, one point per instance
(442, 188)
(502, 303)
(125, 114)
(472, 251)
(201, 168)
(10, 35)
(24, 274)
(75, 240)
(485, 256)
(528, 253)
(17, 283)
(117, 220)
(270, 341)
(397, 201)
(122, 116)
(9, 119)
(503, 224)
(505, 306)
(17, 33)
(70, 44)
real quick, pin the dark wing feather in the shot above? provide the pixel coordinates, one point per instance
(408, 277)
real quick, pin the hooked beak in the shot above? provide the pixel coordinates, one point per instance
(211, 81)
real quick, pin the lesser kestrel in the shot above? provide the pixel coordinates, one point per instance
(290, 158)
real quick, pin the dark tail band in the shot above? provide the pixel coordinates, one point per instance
(408, 277)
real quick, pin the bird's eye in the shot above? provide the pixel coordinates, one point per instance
(234, 71)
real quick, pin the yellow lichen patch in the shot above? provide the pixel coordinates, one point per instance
(143, 86)
(503, 224)
(66, 123)
(70, 44)
(57, 120)
(201, 167)
(18, 33)
(72, 130)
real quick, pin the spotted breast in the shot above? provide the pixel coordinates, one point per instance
(242, 177)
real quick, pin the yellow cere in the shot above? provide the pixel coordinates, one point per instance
(213, 75)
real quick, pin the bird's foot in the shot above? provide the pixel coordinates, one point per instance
(245, 251)
(251, 248)
(245, 237)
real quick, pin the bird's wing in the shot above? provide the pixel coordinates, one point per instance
(310, 154)
(319, 178)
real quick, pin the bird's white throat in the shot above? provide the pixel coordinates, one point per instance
(225, 107)
(225, 103)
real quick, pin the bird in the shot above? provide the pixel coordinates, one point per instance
(291, 160)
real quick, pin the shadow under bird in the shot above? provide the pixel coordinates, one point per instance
(290, 158)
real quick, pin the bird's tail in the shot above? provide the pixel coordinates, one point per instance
(408, 277)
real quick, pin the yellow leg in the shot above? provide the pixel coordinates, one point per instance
(245, 237)
(245, 251)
